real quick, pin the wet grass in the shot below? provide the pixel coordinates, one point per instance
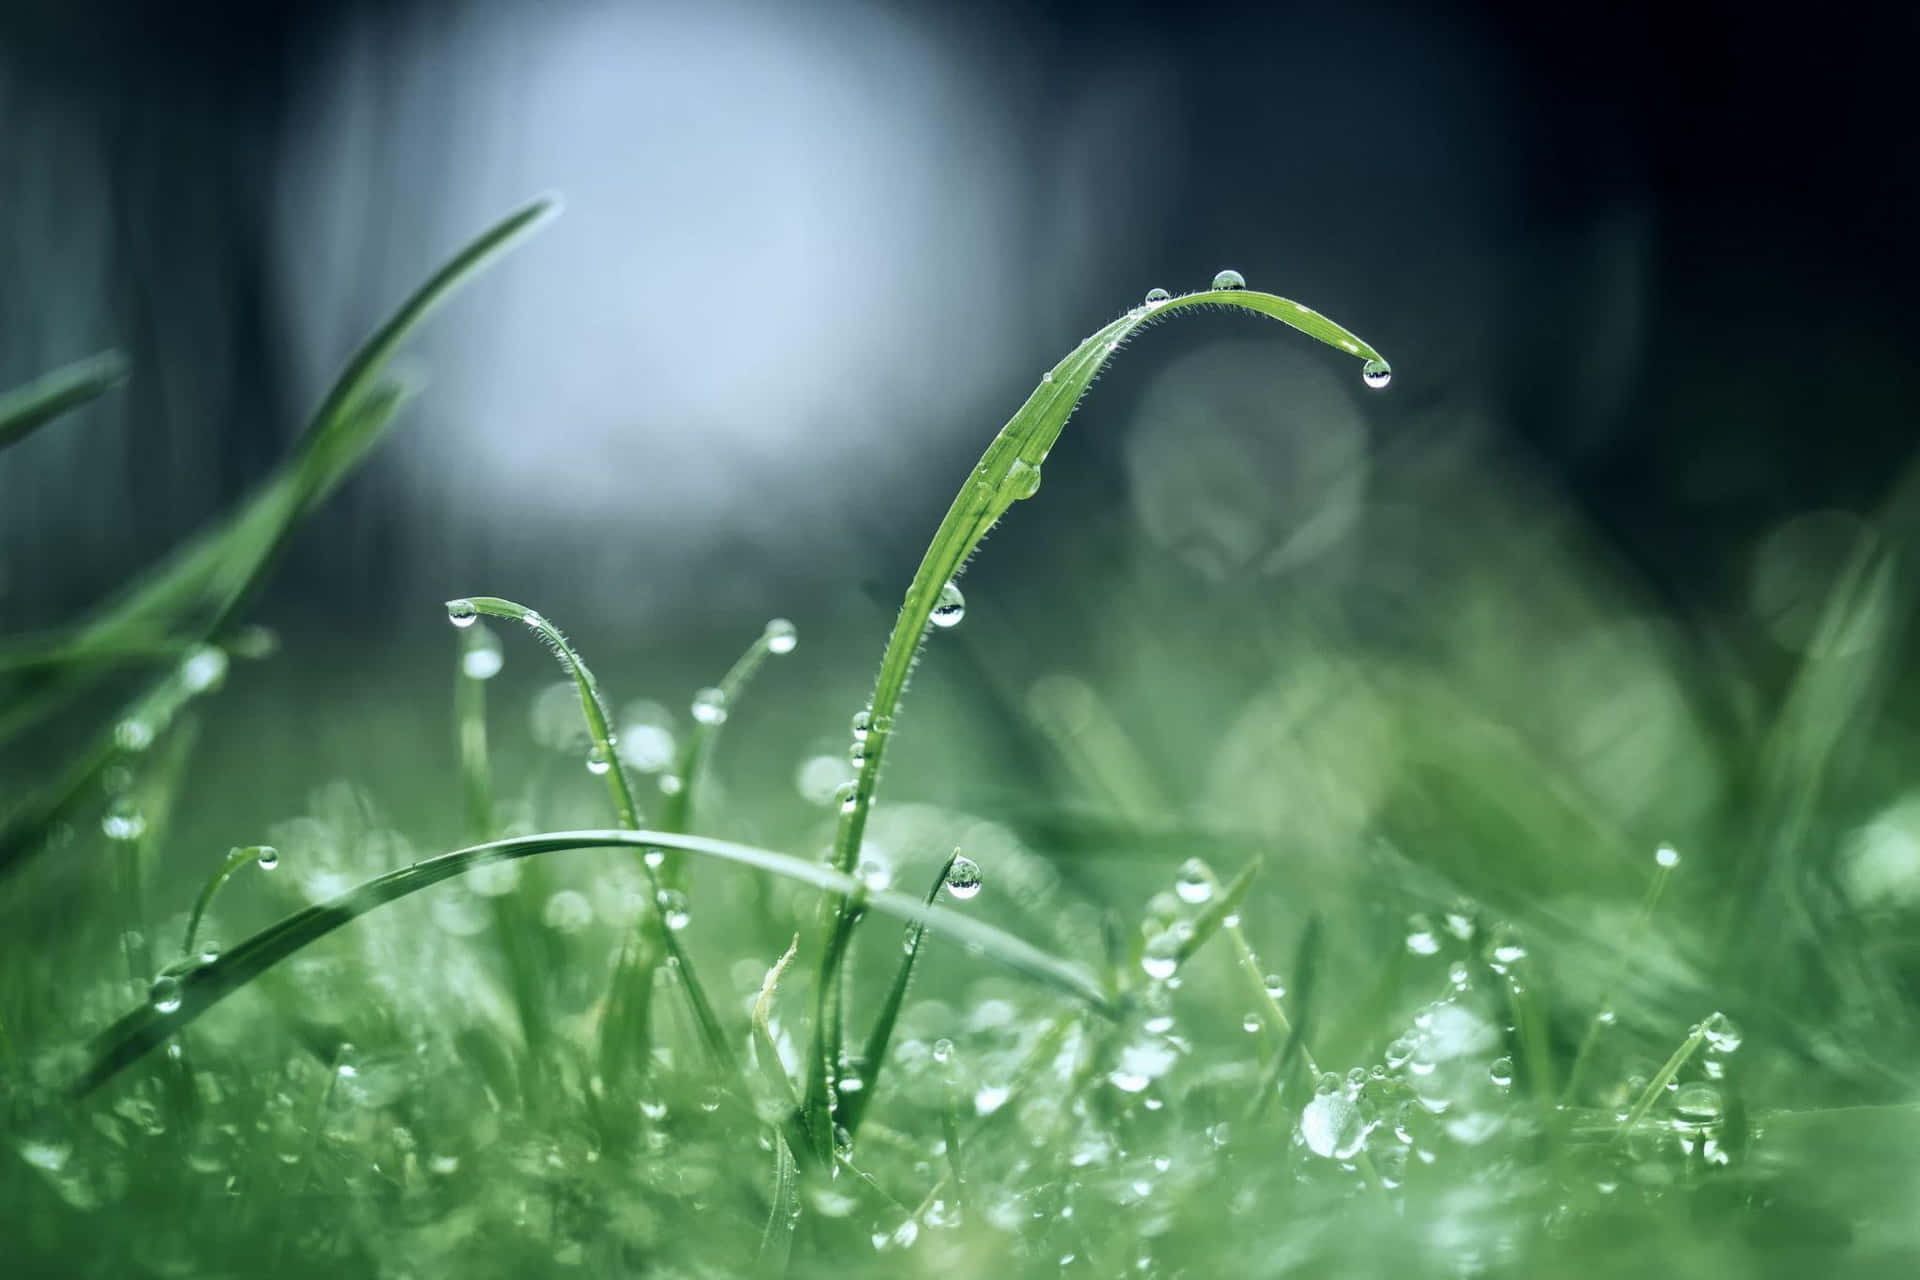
(1073, 1050)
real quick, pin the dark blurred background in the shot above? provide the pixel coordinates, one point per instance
(1640, 269)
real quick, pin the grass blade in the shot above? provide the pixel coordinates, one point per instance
(606, 761)
(854, 1106)
(206, 581)
(1222, 906)
(25, 410)
(206, 985)
(1008, 472)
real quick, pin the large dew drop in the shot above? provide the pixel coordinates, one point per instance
(462, 613)
(710, 706)
(1229, 279)
(950, 607)
(963, 877)
(782, 636)
(165, 993)
(1193, 885)
(1023, 479)
(267, 856)
(598, 761)
(1332, 1126)
(1376, 373)
(1157, 296)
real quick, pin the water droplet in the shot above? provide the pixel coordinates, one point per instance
(1157, 296)
(1697, 1104)
(1023, 479)
(782, 636)
(1193, 885)
(655, 858)
(989, 1098)
(1667, 856)
(669, 784)
(1332, 1126)
(1421, 939)
(203, 669)
(1229, 279)
(124, 821)
(209, 952)
(483, 657)
(1500, 1071)
(1399, 1053)
(1047, 376)
(598, 761)
(963, 877)
(1276, 986)
(943, 1051)
(1721, 1033)
(950, 607)
(462, 613)
(267, 856)
(862, 725)
(1250, 1023)
(710, 706)
(874, 874)
(1504, 951)
(673, 909)
(849, 797)
(1161, 956)
(857, 753)
(164, 994)
(133, 734)
(1376, 374)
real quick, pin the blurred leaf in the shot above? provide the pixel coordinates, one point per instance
(25, 410)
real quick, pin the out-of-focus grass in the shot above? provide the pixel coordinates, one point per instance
(1336, 856)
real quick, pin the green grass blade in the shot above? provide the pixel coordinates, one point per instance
(854, 1106)
(1008, 472)
(25, 410)
(593, 709)
(143, 1028)
(236, 858)
(783, 1215)
(1222, 906)
(206, 581)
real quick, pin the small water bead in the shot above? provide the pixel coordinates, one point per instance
(124, 821)
(1421, 939)
(874, 874)
(782, 636)
(1721, 1033)
(849, 795)
(1505, 951)
(203, 669)
(963, 878)
(1161, 956)
(943, 1051)
(655, 858)
(1023, 479)
(1229, 279)
(950, 608)
(1157, 296)
(1250, 1024)
(209, 952)
(1332, 1127)
(1356, 1078)
(164, 994)
(1501, 1072)
(598, 761)
(1193, 885)
(1376, 374)
(462, 613)
(1697, 1104)
(673, 909)
(1666, 857)
(483, 656)
(710, 706)
(862, 725)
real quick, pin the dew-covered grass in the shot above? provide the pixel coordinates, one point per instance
(1316, 954)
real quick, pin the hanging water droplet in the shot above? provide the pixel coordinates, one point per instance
(1229, 279)
(124, 821)
(862, 725)
(1023, 479)
(673, 909)
(203, 669)
(1250, 1023)
(1193, 885)
(857, 753)
(655, 858)
(598, 761)
(710, 706)
(1500, 1071)
(1721, 1032)
(963, 877)
(1697, 1104)
(164, 994)
(266, 856)
(1504, 951)
(1666, 856)
(462, 613)
(1161, 956)
(483, 657)
(209, 952)
(1376, 373)
(849, 797)
(1421, 939)
(950, 607)
(1276, 986)
(781, 636)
